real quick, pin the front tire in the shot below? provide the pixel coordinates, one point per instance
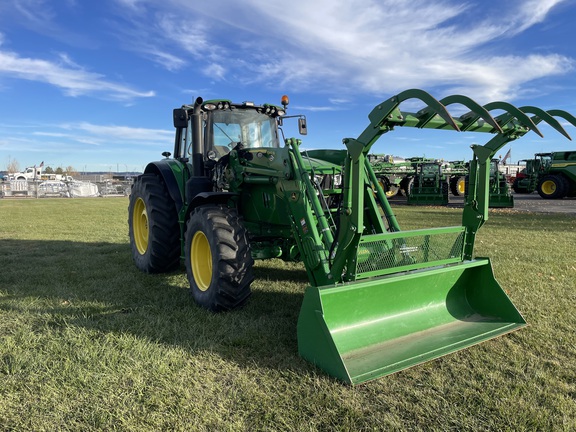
(218, 258)
(153, 226)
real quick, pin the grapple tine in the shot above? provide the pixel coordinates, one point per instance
(541, 115)
(477, 111)
(514, 112)
(433, 107)
(563, 114)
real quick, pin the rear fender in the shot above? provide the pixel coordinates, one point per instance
(171, 172)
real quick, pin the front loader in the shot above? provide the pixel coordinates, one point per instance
(379, 299)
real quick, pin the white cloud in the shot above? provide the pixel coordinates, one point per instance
(113, 132)
(35, 11)
(533, 12)
(66, 75)
(317, 108)
(363, 46)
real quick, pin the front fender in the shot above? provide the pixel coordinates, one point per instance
(172, 173)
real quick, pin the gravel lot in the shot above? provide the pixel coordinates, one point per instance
(522, 202)
(534, 203)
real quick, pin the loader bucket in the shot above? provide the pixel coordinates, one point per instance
(366, 329)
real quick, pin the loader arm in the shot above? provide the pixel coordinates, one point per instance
(399, 298)
(517, 124)
(359, 175)
(507, 127)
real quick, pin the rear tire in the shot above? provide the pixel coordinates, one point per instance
(153, 226)
(457, 186)
(218, 258)
(461, 185)
(552, 187)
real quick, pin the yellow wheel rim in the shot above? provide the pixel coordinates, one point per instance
(140, 226)
(201, 261)
(390, 192)
(548, 187)
(461, 186)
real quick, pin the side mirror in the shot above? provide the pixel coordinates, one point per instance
(180, 118)
(302, 128)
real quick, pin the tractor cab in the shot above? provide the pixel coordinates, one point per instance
(247, 127)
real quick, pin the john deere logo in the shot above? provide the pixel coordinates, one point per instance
(408, 249)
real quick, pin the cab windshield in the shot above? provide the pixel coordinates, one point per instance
(249, 127)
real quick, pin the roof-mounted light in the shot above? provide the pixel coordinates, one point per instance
(217, 104)
(248, 103)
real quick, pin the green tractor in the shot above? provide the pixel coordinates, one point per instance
(429, 185)
(500, 196)
(552, 174)
(379, 299)
(457, 172)
(526, 179)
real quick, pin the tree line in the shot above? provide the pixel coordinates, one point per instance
(13, 166)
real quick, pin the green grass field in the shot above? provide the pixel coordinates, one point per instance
(87, 342)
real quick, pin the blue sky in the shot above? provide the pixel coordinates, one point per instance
(92, 84)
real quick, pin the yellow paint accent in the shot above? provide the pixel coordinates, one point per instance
(548, 187)
(140, 226)
(562, 165)
(201, 261)
(461, 186)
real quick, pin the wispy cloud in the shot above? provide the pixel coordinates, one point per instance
(55, 138)
(43, 16)
(326, 108)
(363, 46)
(126, 133)
(160, 35)
(66, 75)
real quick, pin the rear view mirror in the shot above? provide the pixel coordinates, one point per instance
(302, 128)
(180, 118)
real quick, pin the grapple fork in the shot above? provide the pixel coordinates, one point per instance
(399, 298)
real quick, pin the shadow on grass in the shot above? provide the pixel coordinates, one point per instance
(58, 285)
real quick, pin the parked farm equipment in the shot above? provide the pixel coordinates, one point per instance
(379, 299)
(430, 184)
(499, 195)
(457, 172)
(391, 173)
(552, 174)
(419, 178)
